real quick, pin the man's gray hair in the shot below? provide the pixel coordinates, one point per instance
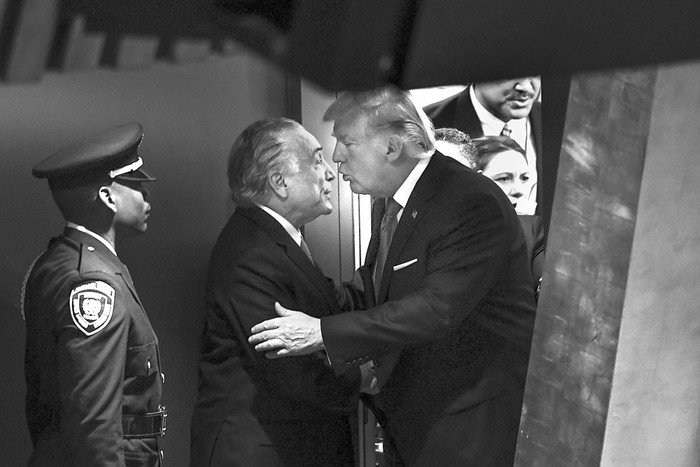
(262, 148)
(462, 141)
(388, 110)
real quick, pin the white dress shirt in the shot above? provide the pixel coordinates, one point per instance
(520, 128)
(404, 192)
(291, 230)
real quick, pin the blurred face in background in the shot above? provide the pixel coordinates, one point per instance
(510, 171)
(509, 99)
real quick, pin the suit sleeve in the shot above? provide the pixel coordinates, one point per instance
(467, 250)
(91, 373)
(537, 260)
(250, 289)
(351, 295)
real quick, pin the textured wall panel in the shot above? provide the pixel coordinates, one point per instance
(588, 253)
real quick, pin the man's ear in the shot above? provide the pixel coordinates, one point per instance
(278, 184)
(106, 195)
(394, 148)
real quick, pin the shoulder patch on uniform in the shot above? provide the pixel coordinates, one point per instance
(91, 306)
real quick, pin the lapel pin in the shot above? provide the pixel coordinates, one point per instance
(414, 214)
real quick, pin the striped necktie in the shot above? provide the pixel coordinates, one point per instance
(506, 131)
(305, 249)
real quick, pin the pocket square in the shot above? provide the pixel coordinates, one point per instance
(403, 265)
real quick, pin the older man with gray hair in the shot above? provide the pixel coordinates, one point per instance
(251, 410)
(450, 328)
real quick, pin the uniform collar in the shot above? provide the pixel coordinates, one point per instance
(85, 230)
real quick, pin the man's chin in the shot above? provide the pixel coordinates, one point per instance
(357, 189)
(131, 231)
(518, 112)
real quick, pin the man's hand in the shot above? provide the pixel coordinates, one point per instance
(369, 379)
(293, 333)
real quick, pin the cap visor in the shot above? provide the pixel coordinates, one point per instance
(138, 175)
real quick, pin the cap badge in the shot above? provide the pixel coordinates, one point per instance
(126, 169)
(91, 306)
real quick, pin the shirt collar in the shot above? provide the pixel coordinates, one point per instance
(291, 230)
(93, 234)
(491, 124)
(404, 192)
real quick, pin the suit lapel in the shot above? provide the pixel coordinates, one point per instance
(413, 212)
(277, 234)
(535, 119)
(465, 117)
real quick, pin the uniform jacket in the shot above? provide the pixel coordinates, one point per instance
(458, 112)
(91, 356)
(452, 330)
(247, 403)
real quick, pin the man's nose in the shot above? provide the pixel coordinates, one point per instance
(338, 156)
(525, 84)
(330, 173)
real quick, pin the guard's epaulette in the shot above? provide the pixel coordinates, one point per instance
(90, 261)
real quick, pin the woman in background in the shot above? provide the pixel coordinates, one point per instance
(502, 160)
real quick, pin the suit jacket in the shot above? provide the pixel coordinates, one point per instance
(91, 356)
(458, 112)
(252, 410)
(455, 313)
(533, 228)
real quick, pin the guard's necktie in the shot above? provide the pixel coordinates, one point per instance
(386, 232)
(305, 249)
(506, 131)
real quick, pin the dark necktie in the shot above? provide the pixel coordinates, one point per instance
(386, 232)
(378, 206)
(305, 249)
(506, 131)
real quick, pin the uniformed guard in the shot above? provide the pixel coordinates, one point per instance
(92, 362)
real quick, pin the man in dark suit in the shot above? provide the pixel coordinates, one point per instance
(450, 332)
(92, 362)
(251, 410)
(485, 108)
